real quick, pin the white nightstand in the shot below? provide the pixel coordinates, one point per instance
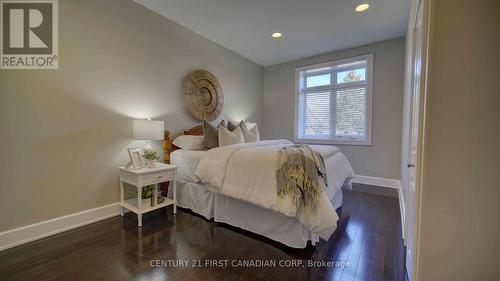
(143, 177)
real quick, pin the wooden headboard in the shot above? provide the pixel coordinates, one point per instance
(168, 147)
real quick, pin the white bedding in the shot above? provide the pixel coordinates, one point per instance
(248, 172)
(337, 167)
(338, 170)
(186, 161)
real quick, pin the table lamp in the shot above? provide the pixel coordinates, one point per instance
(148, 130)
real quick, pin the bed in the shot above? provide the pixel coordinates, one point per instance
(210, 202)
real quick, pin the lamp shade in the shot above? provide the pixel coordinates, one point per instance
(148, 130)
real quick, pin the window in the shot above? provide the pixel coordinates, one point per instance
(333, 102)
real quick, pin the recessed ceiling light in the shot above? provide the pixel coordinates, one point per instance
(276, 35)
(362, 7)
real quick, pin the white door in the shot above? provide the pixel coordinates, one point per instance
(415, 140)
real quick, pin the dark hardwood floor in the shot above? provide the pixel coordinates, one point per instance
(368, 240)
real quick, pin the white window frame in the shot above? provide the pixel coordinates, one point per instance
(367, 141)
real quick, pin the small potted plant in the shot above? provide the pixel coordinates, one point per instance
(151, 156)
(159, 196)
(147, 196)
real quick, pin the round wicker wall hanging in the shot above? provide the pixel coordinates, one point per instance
(204, 95)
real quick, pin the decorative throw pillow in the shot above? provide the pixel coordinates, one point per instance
(232, 126)
(227, 137)
(189, 142)
(211, 134)
(250, 135)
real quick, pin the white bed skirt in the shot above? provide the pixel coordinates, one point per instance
(195, 197)
(286, 230)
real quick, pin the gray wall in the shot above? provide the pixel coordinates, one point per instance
(382, 159)
(460, 223)
(64, 132)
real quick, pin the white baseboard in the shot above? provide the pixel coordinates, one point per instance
(32, 232)
(388, 183)
(383, 182)
(402, 210)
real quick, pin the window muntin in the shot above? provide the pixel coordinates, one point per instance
(333, 102)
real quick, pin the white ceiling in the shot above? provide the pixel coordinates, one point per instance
(309, 27)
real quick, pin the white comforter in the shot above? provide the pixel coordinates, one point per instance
(248, 172)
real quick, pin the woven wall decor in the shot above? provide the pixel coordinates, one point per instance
(204, 95)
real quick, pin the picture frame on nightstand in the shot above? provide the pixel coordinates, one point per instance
(135, 158)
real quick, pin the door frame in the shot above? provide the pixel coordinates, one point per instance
(426, 6)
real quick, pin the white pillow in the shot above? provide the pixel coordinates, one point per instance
(227, 137)
(250, 135)
(250, 125)
(189, 142)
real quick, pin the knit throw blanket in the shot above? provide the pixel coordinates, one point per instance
(301, 176)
